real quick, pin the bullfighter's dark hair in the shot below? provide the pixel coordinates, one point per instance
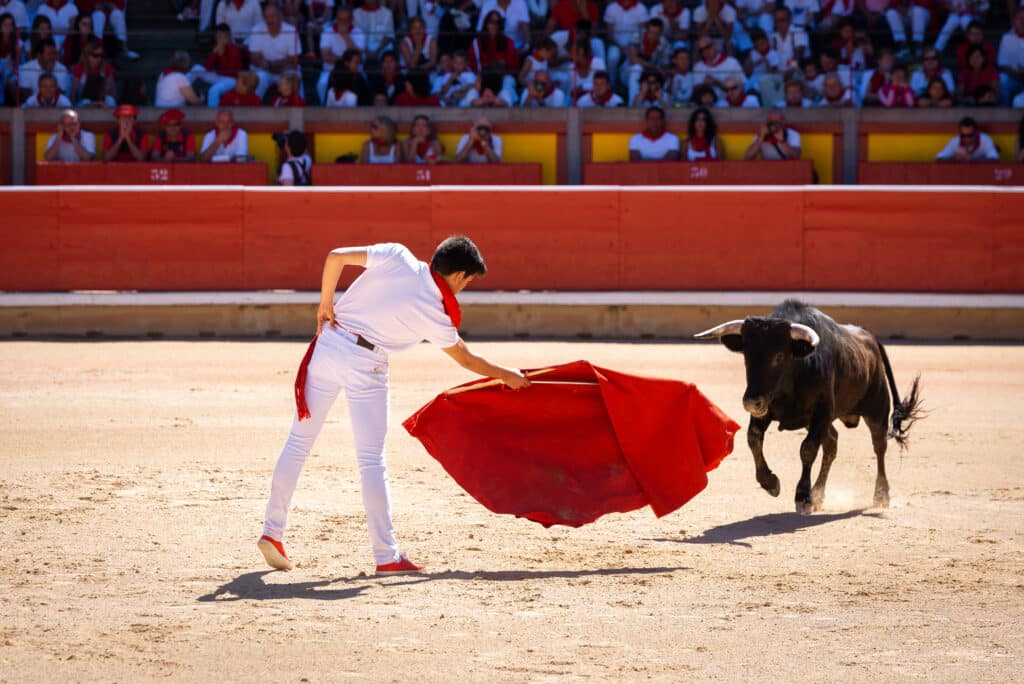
(458, 253)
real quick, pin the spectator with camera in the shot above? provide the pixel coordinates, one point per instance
(480, 145)
(70, 143)
(650, 53)
(654, 143)
(422, 145)
(382, 147)
(226, 142)
(126, 142)
(453, 88)
(490, 90)
(980, 81)
(702, 141)
(970, 145)
(542, 92)
(652, 91)
(601, 95)
(297, 166)
(775, 141)
(174, 143)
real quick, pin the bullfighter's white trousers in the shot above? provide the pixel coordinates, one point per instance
(339, 364)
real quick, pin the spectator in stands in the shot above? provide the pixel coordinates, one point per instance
(790, 43)
(961, 14)
(92, 63)
(417, 91)
(881, 76)
(273, 49)
(453, 88)
(60, 13)
(288, 92)
(970, 145)
(736, 97)
(757, 15)
(378, 25)
(794, 96)
(601, 95)
(897, 92)
(480, 145)
(623, 20)
(173, 87)
(386, 85)
(814, 79)
(343, 89)
(705, 96)
(834, 12)
(975, 36)
(318, 17)
(571, 23)
(112, 12)
(516, 20)
(241, 16)
(541, 59)
(383, 146)
(18, 13)
(852, 50)
(242, 95)
(904, 13)
(650, 53)
(936, 94)
(45, 63)
(422, 145)
(980, 81)
(930, 69)
(418, 50)
(654, 143)
(542, 92)
(226, 142)
(74, 45)
(221, 67)
(493, 50)
(762, 66)
(836, 94)
(70, 143)
(48, 95)
(714, 66)
(676, 21)
(11, 53)
(804, 13)
(339, 39)
(92, 94)
(702, 141)
(126, 142)
(652, 91)
(680, 81)
(716, 19)
(297, 167)
(580, 75)
(490, 91)
(775, 140)
(1011, 60)
(42, 29)
(173, 143)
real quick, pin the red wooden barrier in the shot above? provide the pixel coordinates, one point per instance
(754, 172)
(149, 173)
(940, 173)
(557, 239)
(421, 174)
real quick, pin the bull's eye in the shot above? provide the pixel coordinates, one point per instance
(778, 359)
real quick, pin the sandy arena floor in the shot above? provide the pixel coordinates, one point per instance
(134, 476)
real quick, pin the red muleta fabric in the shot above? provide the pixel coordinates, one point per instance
(565, 454)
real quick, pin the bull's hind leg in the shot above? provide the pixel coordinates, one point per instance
(829, 445)
(880, 440)
(755, 440)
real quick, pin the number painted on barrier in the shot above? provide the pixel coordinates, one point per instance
(159, 174)
(698, 172)
(1003, 175)
(423, 176)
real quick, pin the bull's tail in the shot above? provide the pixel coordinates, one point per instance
(906, 412)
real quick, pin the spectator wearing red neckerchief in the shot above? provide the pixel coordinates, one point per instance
(897, 92)
(650, 53)
(654, 143)
(493, 51)
(775, 141)
(480, 145)
(226, 142)
(601, 95)
(288, 92)
(417, 91)
(623, 20)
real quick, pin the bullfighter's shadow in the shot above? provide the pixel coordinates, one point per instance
(765, 526)
(251, 585)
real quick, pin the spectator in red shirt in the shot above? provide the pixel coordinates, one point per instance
(493, 50)
(974, 36)
(979, 82)
(389, 83)
(936, 94)
(897, 92)
(242, 95)
(417, 91)
(93, 63)
(173, 143)
(82, 32)
(561, 26)
(882, 75)
(288, 92)
(222, 65)
(125, 142)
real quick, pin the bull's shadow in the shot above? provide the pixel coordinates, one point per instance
(766, 526)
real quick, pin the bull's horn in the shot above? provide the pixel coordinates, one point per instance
(730, 328)
(798, 331)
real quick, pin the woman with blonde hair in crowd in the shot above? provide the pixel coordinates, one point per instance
(382, 147)
(422, 146)
(92, 64)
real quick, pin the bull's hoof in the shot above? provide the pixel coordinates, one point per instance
(804, 507)
(770, 484)
(881, 499)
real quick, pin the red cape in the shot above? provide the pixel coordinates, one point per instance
(566, 454)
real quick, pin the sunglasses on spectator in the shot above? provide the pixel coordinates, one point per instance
(374, 127)
(702, 48)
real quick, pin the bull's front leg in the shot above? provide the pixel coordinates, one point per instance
(755, 440)
(816, 431)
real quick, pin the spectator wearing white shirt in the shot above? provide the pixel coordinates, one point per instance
(343, 89)
(736, 97)
(541, 92)
(970, 145)
(17, 10)
(763, 67)
(273, 49)
(48, 95)
(680, 81)
(961, 14)
(714, 66)
(650, 53)
(805, 13)
(480, 145)
(340, 36)
(654, 143)
(113, 11)
(624, 20)
(715, 18)
(1011, 61)
(835, 94)
(775, 141)
(70, 143)
(757, 14)
(241, 15)
(601, 95)
(297, 165)
(226, 142)
(319, 14)
(676, 20)
(60, 13)
(173, 87)
(517, 19)
(378, 25)
(45, 63)
(912, 13)
(795, 96)
(789, 42)
(930, 68)
(453, 87)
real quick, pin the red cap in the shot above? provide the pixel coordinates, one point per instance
(126, 110)
(171, 116)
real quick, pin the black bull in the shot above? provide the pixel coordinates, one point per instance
(804, 371)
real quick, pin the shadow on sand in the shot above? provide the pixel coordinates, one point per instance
(766, 526)
(251, 585)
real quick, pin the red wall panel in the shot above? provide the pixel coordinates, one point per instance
(29, 240)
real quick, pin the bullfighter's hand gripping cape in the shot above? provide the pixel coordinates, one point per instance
(580, 442)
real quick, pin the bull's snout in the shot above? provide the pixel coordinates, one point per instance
(755, 406)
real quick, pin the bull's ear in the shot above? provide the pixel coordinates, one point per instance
(800, 348)
(733, 342)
